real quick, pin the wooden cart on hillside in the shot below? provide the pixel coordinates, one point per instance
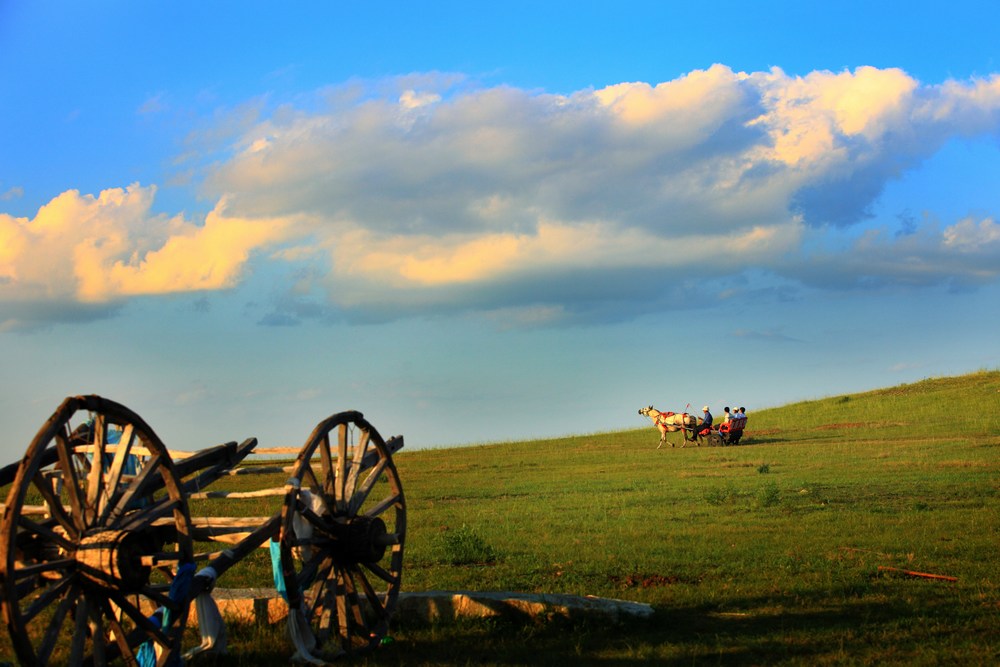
(729, 433)
(100, 556)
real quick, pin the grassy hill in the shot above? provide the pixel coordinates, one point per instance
(759, 554)
(788, 549)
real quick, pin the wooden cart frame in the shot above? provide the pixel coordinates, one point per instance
(98, 544)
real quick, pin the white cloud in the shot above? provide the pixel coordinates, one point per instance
(961, 255)
(971, 236)
(102, 249)
(553, 248)
(411, 99)
(808, 118)
(423, 194)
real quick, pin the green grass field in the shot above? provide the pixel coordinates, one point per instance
(766, 553)
(759, 554)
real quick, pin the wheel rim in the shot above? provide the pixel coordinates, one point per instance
(94, 528)
(342, 535)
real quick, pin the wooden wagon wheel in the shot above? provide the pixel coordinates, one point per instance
(93, 534)
(342, 533)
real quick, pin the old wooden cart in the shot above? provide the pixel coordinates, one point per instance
(99, 548)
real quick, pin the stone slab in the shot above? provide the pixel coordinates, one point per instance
(264, 605)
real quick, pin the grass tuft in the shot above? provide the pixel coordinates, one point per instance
(465, 546)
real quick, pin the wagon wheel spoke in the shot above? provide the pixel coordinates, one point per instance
(345, 608)
(141, 621)
(306, 513)
(326, 462)
(74, 585)
(316, 488)
(351, 480)
(358, 632)
(382, 506)
(79, 631)
(324, 605)
(312, 577)
(363, 491)
(97, 634)
(376, 605)
(121, 638)
(110, 500)
(63, 564)
(145, 517)
(138, 490)
(95, 481)
(346, 563)
(120, 641)
(314, 582)
(340, 488)
(56, 509)
(160, 598)
(47, 597)
(71, 481)
(52, 630)
(42, 530)
(382, 573)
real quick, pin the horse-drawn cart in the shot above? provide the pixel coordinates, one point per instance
(727, 433)
(100, 555)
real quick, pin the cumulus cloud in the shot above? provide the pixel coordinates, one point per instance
(535, 206)
(970, 236)
(82, 249)
(962, 255)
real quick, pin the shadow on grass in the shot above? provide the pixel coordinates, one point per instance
(849, 625)
(747, 632)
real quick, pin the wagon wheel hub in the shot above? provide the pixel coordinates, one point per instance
(114, 555)
(365, 540)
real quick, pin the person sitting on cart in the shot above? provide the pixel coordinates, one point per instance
(706, 422)
(727, 415)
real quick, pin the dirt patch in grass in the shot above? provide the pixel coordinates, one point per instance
(646, 580)
(848, 425)
(965, 464)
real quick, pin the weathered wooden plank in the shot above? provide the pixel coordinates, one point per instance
(259, 470)
(138, 450)
(229, 521)
(31, 510)
(263, 493)
(229, 454)
(278, 450)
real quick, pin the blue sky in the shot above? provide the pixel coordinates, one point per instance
(481, 223)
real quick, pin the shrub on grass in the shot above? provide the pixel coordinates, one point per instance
(721, 496)
(768, 495)
(464, 546)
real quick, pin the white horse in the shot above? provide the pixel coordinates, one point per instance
(668, 422)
